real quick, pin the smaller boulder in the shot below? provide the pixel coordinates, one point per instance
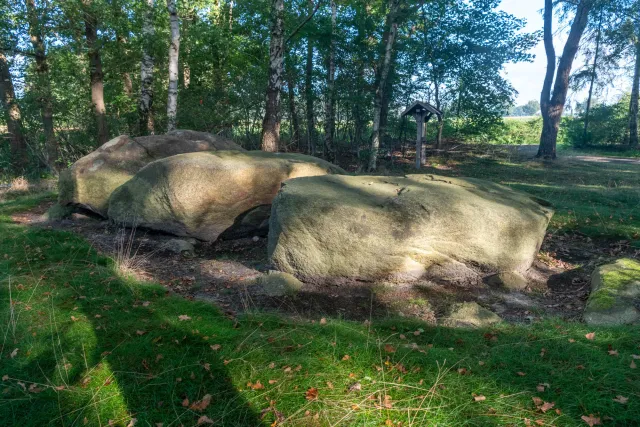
(470, 314)
(278, 284)
(615, 294)
(180, 247)
(510, 280)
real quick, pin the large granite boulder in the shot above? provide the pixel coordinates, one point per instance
(331, 228)
(615, 294)
(202, 195)
(89, 182)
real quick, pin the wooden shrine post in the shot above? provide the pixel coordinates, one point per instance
(422, 112)
(420, 147)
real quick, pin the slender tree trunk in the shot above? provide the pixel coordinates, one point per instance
(553, 106)
(295, 124)
(385, 65)
(330, 116)
(271, 122)
(127, 83)
(308, 89)
(43, 86)
(13, 115)
(145, 112)
(592, 83)
(174, 53)
(633, 105)
(95, 71)
(440, 118)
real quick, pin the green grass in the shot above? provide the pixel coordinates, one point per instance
(601, 200)
(84, 346)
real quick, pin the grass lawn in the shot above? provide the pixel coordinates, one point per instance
(601, 200)
(83, 345)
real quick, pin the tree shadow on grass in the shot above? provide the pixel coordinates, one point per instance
(93, 346)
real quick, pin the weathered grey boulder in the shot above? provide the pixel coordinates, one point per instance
(278, 284)
(470, 314)
(203, 194)
(615, 294)
(91, 180)
(370, 228)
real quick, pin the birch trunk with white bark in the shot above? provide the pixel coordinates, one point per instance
(271, 122)
(145, 104)
(174, 53)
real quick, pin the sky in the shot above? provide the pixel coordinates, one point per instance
(527, 77)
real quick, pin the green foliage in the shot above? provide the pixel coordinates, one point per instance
(608, 125)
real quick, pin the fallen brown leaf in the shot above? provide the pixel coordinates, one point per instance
(613, 352)
(591, 420)
(346, 357)
(200, 405)
(590, 336)
(355, 386)
(184, 317)
(311, 394)
(389, 348)
(204, 420)
(215, 347)
(621, 399)
(479, 398)
(547, 406)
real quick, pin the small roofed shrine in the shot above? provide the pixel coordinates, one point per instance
(422, 112)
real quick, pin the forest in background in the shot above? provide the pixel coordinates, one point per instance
(331, 75)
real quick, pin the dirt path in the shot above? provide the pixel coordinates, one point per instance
(530, 151)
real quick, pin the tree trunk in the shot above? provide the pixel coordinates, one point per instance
(145, 112)
(330, 119)
(440, 118)
(174, 52)
(295, 124)
(552, 106)
(271, 122)
(633, 106)
(308, 89)
(13, 115)
(385, 65)
(43, 86)
(95, 71)
(592, 83)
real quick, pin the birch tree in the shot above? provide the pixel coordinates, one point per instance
(271, 122)
(145, 104)
(384, 67)
(174, 52)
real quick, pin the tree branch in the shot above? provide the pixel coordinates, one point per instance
(304, 22)
(16, 51)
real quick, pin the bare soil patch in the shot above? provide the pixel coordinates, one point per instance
(224, 273)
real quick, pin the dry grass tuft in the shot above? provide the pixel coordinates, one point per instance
(19, 185)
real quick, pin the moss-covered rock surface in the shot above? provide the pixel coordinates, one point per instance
(615, 294)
